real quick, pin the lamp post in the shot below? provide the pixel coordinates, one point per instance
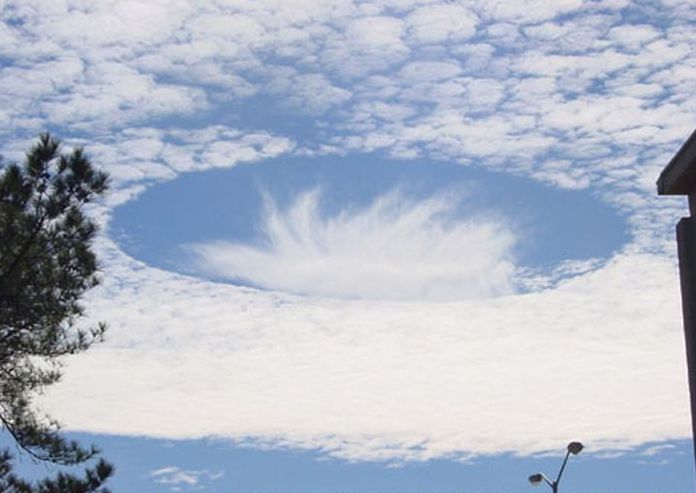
(573, 448)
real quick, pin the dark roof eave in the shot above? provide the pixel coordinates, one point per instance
(679, 176)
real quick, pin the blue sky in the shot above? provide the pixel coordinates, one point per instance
(217, 465)
(379, 245)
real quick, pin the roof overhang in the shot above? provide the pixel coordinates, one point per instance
(679, 176)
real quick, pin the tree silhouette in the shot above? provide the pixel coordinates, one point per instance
(46, 265)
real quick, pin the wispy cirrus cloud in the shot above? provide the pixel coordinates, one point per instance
(394, 248)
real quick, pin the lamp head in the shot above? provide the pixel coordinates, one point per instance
(575, 447)
(535, 479)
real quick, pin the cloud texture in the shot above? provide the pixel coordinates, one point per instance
(590, 95)
(599, 357)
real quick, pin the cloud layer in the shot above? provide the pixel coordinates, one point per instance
(392, 249)
(593, 95)
(598, 358)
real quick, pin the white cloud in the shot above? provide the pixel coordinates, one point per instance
(176, 478)
(526, 11)
(633, 36)
(310, 93)
(368, 380)
(367, 44)
(367, 111)
(438, 23)
(243, 28)
(375, 33)
(657, 449)
(143, 153)
(392, 249)
(428, 71)
(109, 22)
(112, 93)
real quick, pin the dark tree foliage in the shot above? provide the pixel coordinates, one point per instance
(46, 265)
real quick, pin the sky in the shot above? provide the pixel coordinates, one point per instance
(371, 246)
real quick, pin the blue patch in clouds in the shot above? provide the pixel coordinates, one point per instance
(552, 224)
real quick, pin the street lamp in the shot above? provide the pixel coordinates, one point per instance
(536, 479)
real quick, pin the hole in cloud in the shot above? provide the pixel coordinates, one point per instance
(394, 248)
(368, 227)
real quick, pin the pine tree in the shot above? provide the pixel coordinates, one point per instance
(46, 265)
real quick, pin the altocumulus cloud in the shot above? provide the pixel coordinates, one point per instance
(385, 380)
(394, 248)
(571, 93)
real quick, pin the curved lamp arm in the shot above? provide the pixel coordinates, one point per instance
(536, 479)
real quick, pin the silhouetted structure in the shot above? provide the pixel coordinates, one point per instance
(679, 178)
(573, 448)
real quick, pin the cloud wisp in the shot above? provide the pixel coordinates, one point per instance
(176, 478)
(394, 249)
